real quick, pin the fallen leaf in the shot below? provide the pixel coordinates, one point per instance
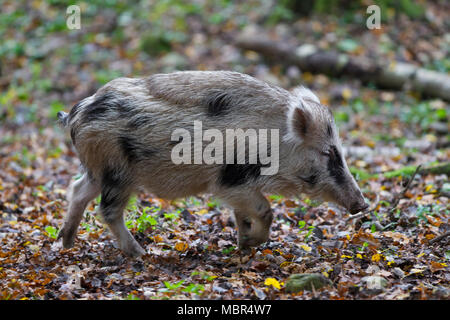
(181, 246)
(272, 282)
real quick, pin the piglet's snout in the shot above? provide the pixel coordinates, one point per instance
(358, 206)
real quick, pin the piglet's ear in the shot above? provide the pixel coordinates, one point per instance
(300, 123)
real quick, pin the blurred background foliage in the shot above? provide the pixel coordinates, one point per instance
(45, 67)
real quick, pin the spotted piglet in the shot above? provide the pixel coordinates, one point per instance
(219, 132)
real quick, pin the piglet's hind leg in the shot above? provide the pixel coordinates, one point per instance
(82, 192)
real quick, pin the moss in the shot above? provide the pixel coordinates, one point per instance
(306, 281)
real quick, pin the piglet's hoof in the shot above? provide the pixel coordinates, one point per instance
(68, 237)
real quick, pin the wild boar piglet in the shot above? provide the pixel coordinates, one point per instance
(217, 132)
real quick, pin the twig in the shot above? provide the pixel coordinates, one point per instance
(394, 205)
(358, 215)
(402, 194)
(438, 238)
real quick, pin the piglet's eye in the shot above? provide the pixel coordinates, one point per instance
(311, 179)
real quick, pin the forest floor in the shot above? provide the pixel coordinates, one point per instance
(393, 252)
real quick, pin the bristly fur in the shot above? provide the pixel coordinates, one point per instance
(217, 103)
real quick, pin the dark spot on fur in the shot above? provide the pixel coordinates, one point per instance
(311, 179)
(114, 192)
(111, 183)
(336, 165)
(95, 113)
(236, 174)
(103, 104)
(138, 121)
(134, 150)
(127, 109)
(218, 103)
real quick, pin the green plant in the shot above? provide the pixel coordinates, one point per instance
(363, 247)
(145, 220)
(194, 288)
(178, 286)
(309, 230)
(132, 297)
(172, 216)
(276, 197)
(228, 250)
(171, 286)
(52, 232)
(87, 226)
(373, 228)
(312, 202)
(309, 233)
(212, 203)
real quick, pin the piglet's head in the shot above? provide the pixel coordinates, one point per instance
(320, 168)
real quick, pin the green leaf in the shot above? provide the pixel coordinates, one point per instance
(52, 232)
(174, 286)
(194, 288)
(228, 250)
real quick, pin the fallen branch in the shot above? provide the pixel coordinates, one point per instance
(386, 74)
(439, 238)
(439, 169)
(443, 168)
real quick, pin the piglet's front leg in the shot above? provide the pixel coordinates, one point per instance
(253, 218)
